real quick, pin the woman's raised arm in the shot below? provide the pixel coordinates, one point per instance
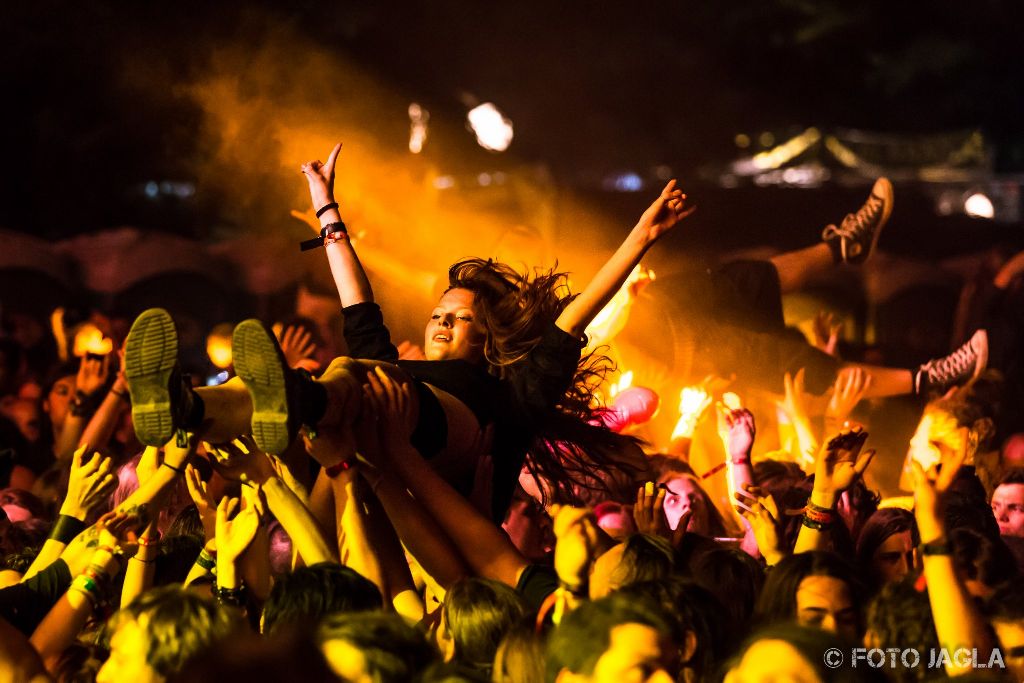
(349, 276)
(660, 217)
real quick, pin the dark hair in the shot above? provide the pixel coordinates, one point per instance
(1014, 475)
(732, 576)
(290, 655)
(691, 609)
(477, 614)
(187, 523)
(394, 651)
(644, 558)
(585, 633)
(518, 311)
(1007, 603)
(179, 625)
(716, 523)
(901, 616)
(310, 593)
(982, 558)
(879, 527)
(777, 602)
(810, 643)
(520, 657)
(79, 663)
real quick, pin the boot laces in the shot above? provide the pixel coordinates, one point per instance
(955, 364)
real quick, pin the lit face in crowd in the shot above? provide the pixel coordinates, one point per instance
(454, 331)
(1008, 508)
(825, 602)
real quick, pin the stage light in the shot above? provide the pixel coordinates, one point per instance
(742, 140)
(493, 130)
(218, 346)
(979, 206)
(90, 340)
(418, 117)
(444, 182)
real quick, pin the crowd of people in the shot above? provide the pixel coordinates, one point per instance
(476, 510)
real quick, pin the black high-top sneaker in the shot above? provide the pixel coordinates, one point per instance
(161, 397)
(273, 386)
(961, 366)
(855, 238)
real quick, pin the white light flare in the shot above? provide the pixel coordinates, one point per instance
(979, 206)
(493, 130)
(418, 117)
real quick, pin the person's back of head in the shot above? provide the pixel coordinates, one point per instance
(984, 562)
(732, 576)
(789, 652)
(379, 645)
(163, 629)
(310, 593)
(900, 616)
(603, 635)
(290, 655)
(476, 616)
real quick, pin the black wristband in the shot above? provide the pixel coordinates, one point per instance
(172, 467)
(232, 597)
(325, 208)
(939, 547)
(65, 529)
(329, 229)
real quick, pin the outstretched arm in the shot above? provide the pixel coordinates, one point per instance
(349, 276)
(660, 217)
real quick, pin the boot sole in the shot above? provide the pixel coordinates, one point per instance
(259, 365)
(150, 356)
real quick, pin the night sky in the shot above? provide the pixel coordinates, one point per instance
(101, 96)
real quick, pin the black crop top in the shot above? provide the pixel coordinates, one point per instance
(513, 407)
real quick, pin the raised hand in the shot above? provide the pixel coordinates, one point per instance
(320, 177)
(760, 510)
(234, 534)
(849, 389)
(666, 211)
(241, 460)
(298, 347)
(839, 465)
(119, 529)
(576, 533)
(693, 402)
(649, 512)
(738, 431)
(92, 374)
(928, 495)
(826, 333)
(90, 483)
(203, 500)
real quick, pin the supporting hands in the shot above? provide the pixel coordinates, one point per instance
(242, 460)
(90, 483)
(663, 215)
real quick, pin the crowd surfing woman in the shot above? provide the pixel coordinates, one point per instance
(503, 373)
